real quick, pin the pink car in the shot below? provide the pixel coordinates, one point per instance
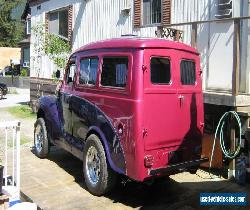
(131, 106)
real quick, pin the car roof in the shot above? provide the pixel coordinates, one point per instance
(137, 42)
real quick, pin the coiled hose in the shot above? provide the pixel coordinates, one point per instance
(219, 130)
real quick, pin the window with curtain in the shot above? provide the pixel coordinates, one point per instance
(151, 12)
(58, 23)
(88, 71)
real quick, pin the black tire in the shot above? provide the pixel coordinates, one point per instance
(41, 145)
(107, 178)
(1, 93)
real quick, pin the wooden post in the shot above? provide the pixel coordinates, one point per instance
(236, 58)
(194, 35)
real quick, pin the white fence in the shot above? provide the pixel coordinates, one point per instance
(11, 158)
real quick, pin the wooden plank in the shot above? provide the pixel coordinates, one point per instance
(236, 58)
(194, 35)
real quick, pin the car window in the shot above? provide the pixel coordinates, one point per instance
(88, 71)
(160, 70)
(188, 76)
(70, 73)
(114, 71)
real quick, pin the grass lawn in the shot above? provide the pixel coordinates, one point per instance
(22, 111)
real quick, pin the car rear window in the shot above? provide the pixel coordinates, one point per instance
(188, 76)
(160, 70)
(114, 71)
(88, 71)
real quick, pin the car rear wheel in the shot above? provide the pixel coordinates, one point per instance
(99, 177)
(41, 142)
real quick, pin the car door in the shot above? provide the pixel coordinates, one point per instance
(161, 102)
(83, 101)
(191, 103)
(65, 98)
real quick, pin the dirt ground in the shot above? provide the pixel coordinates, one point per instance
(57, 183)
(26, 129)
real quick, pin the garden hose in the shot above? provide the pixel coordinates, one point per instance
(219, 130)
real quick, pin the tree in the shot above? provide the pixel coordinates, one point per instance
(56, 48)
(11, 30)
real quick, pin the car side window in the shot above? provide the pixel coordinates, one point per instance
(188, 76)
(160, 70)
(88, 71)
(114, 71)
(70, 74)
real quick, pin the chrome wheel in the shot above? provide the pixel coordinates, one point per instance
(93, 165)
(39, 138)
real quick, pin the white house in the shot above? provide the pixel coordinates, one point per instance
(85, 21)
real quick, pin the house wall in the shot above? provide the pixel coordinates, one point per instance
(95, 20)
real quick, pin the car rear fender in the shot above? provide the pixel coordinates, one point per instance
(108, 150)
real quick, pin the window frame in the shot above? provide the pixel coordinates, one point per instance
(151, 24)
(122, 90)
(170, 63)
(57, 11)
(72, 59)
(192, 60)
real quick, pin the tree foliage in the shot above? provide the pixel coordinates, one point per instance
(11, 30)
(56, 48)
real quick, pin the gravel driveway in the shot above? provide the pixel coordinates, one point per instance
(22, 96)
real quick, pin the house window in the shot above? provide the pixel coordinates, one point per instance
(114, 71)
(160, 70)
(58, 23)
(88, 71)
(26, 56)
(28, 26)
(151, 11)
(188, 76)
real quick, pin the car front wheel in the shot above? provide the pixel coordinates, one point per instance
(99, 177)
(41, 142)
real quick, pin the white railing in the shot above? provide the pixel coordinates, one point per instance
(11, 163)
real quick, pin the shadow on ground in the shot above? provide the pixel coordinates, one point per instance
(167, 194)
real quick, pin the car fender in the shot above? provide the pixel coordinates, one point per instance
(49, 106)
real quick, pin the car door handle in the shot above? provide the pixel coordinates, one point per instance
(181, 98)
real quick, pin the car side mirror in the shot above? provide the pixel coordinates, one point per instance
(58, 74)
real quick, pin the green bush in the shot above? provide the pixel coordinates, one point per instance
(24, 72)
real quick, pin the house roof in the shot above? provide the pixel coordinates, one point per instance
(26, 12)
(35, 2)
(138, 43)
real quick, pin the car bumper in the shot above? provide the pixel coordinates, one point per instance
(179, 166)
